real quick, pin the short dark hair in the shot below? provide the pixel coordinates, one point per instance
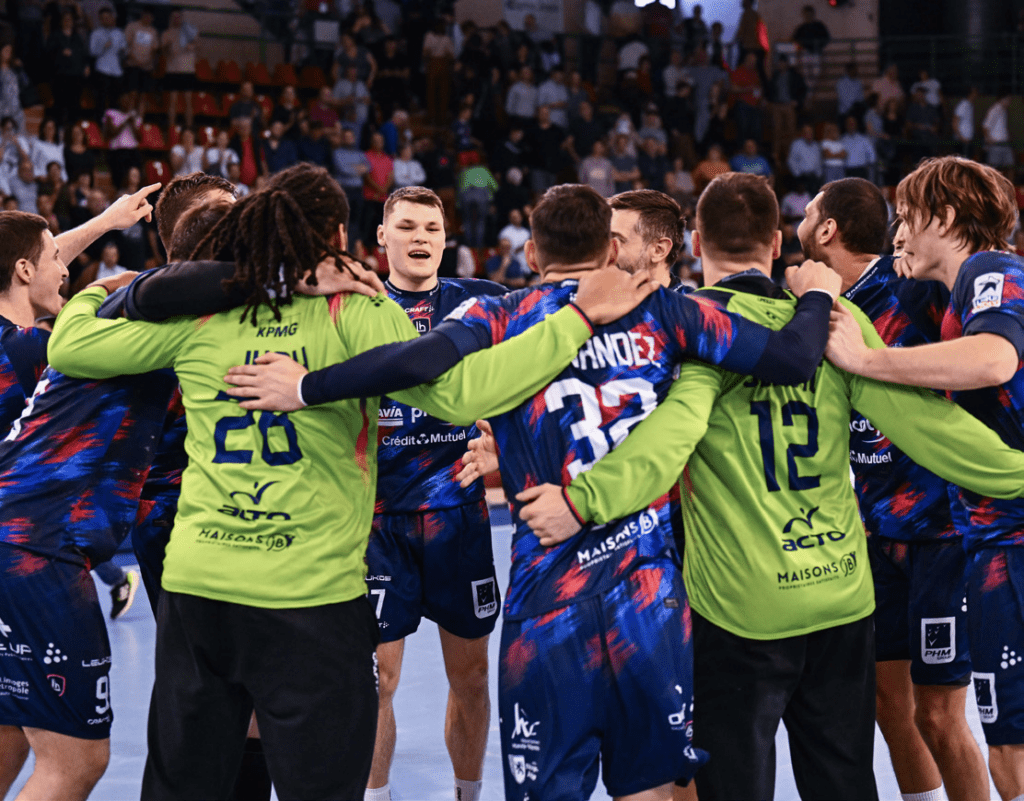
(413, 194)
(737, 214)
(572, 223)
(180, 195)
(192, 227)
(860, 212)
(659, 216)
(21, 237)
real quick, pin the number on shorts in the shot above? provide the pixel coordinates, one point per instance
(380, 600)
(102, 695)
(592, 400)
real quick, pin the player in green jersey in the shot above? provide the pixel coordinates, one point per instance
(264, 598)
(776, 563)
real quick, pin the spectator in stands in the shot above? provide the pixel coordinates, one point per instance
(477, 186)
(705, 75)
(751, 36)
(287, 110)
(849, 92)
(108, 46)
(322, 109)
(596, 170)
(180, 43)
(44, 204)
(377, 185)
(13, 148)
(963, 122)
(584, 130)
(396, 131)
(10, 94)
(186, 157)
(511, 194)
(390, 88)
(408, 171)
(46, 148)
(887, 86)
(109, 264)
(860, 153)
(502, 268)
(833, 154)
(591, 40)
(242, 189)
(923, 122)
(998, 152)
(674, 74)
(312, 144)
(874, 125)
(695, 29)
(746, 88)
(141, 58)
(625, 171)
(517, 234)
(793, 206)
(554, 94)
(932, 90)
(245, 105)
(462, 129)
(787, 95)
(513, 152)
(349, 167)
(23, 186)
(521, 101)
(352, 100)
(352, 54)
(252, 161)
(219, 155)
(652, 127)
(53, 181)
(748, 160)
(890, 147)
(679, 183)
(279, 151)
(138, 242)
(812, 37)
(713, 165)
(78, 158)
(438, 159)
(68, 57)
(652, 163)
(804, 160)
(548, 151)
(716, 47)
(121, 128)
(439, 61)
(630, 54)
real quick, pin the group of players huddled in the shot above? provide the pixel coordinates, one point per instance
(675, 591)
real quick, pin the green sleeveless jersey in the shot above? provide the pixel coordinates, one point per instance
(775, 546)
(275, 509)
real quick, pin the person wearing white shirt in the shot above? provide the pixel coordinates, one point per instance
(46, 149)
(849, 90)
(963, 121)
(674, 74)
(804, 160)
(860, 153)
(108, 46)
(408, 171)
(521, 102)
(517, 234)
(997, 135)
(554, 94)
(630, 55)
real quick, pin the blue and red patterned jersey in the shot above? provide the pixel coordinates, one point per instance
(164, 479)
(988, 297)
(898, 498)
(73, 465)
(419, 455)
(22, 361)
(616, 380)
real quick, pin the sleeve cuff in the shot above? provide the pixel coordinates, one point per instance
(572, 507)
(298, 391)
(583, 315)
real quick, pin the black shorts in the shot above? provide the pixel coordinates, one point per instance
(310, 674)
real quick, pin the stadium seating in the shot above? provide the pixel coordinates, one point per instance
(151, 138)
(93, 134)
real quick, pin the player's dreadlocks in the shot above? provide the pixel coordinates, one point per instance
(279, 233)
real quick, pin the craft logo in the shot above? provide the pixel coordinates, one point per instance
(985, 694)
(485, 598)
(988, 292)
(57, 684)
(938, 640)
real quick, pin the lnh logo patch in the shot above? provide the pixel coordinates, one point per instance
(938, 640)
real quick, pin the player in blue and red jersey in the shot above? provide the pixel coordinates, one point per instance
(955, 217)
(608, 606)
(429, 553)
(917, 556)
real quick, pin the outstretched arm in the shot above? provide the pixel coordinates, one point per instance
(122, 213)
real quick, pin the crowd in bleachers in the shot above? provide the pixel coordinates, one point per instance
(489, 117)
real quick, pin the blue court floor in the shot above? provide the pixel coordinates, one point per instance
(421, 770)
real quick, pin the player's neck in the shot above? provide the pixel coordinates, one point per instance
(715, 271)
(16, 306)
(661, 273)
(949, 267)
(409, 283)
(850, 266)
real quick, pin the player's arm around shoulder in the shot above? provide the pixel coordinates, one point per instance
(366, 322)
(85, 346)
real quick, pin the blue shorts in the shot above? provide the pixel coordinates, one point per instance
(54, 651)
(995, 619)
(921, 607)
(609, 678)
(436, 564)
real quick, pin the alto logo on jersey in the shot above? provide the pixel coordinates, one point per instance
(521, 769)
(985, 694)
(485, 598)
(811, 539)
(57, 683)
(938, 640)
(627, 349)
(254, 498)
(872, 435)
(988, 292)
(644, 524)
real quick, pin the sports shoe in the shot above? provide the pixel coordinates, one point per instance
(123, 594)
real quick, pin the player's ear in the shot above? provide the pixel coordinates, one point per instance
(827, 231)
(948, 218)
(530, 254)
(695, 244)
(342, 238)
(613, 252)
(380, 235)
(24, 270)
(777, 244)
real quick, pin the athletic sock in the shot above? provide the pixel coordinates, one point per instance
(253, 781)
(1018, 798)
(931, 795)
(467, 791)
(380, 794)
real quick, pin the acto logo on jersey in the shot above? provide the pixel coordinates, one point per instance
(254, 498)
(811, 539)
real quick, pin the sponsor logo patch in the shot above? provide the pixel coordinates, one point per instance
(988, 292)
(938, 640)
(485, 598)
(985, 694)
